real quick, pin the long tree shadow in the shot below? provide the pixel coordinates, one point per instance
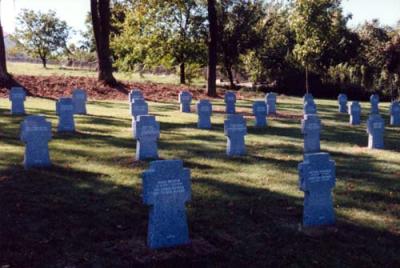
(267, 224)
(63, 216)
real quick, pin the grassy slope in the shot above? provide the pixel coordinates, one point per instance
(87, 209)
(37, 70)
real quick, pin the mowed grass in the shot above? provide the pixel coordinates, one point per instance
(86, 211)
(18, 68)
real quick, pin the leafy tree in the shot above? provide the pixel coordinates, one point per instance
(185, 33)
(155, 32)
(101, 14)
(372, 57)
(272, 61)
(88, 42)
(312, 24)
(392, 53)
(238, 21)
(41, 34)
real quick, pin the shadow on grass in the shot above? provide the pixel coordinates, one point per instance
(62, 217)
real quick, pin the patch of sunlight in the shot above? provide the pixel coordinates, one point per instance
(370, 218)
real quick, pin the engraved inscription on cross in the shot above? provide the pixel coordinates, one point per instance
(317, 178)
(166, 189)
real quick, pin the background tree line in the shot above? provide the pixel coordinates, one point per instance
(287, 46)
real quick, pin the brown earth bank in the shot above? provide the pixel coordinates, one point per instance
(54, 87)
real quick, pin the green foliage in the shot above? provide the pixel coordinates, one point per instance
(88, 42)
(312, 22)
(240, 29)
(41, 34)
(272, 61)
(154, 33)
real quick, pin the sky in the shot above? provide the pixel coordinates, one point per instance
(74, 11)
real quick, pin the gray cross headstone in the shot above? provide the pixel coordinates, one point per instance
(355, 113)
(310, 107)
(65, 112)
(374, 100)
(138, 107)
(204, 112)
(260, 113)
(79, 98)
(311, 128)
(342, 100)
(185, 100)
(147, 135)
(375, 130)
(135, 94)
(270, 101)
(317, 178)
(395, 114)
(36, 133)
(235, 129)
(230, 102)
(308, 97)
(166, 189)
(17, 98)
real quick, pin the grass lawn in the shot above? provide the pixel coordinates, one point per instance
(86, 211)
(18, 68)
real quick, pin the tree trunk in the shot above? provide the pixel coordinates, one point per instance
(44, 62)
(230, 76)
(307, 82)
(212, 49)
(228, 69)
(101, 14)
(4, 76)
(182, 73)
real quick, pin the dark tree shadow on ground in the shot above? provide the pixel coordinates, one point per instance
(60, 217)
(64, 217)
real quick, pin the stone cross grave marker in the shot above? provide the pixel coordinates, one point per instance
(342, 101)
(311, 128)
(235, 129)
(270, 101)
(138, 107)
(166, 189)
(36, 134)
(376, 131)
(395, 114)
(308, 97)
(230, 102)
(260, 114)
(135, 94)
(310, 107)
(17, 98)
(65, 112)
(317, 178)
(355, 113)
(79, 98)
(185, 100)
(204, 112)
(374, 100)
(147, 135)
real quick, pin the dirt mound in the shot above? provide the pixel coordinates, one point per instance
(54, 87)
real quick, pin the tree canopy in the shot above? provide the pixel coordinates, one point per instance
(41, 34)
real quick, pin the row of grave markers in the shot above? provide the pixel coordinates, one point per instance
(317, 172)
(375, 122)
(35, 130)
(146, 130)
(166, 184)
